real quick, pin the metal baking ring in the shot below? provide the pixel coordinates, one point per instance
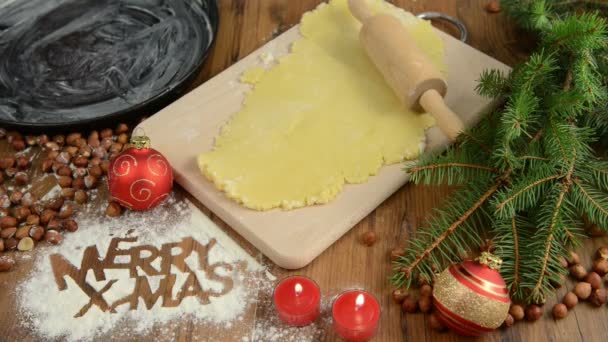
(464, 34)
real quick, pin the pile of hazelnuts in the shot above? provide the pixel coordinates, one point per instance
(78, 163)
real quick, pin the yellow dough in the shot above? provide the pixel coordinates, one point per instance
(320, 118)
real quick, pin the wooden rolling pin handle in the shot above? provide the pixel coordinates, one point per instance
(448, 121)
(360, 10)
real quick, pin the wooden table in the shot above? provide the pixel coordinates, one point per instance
(245, 26)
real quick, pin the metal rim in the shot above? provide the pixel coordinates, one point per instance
(464, 33)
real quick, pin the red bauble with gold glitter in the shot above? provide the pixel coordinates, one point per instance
(472, 298)
(140, 177)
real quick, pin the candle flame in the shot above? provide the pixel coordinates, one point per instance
(360, 300)
(298, 289)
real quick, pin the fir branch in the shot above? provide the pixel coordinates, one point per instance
(407, 269)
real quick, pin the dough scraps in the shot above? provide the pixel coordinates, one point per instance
(320, 118)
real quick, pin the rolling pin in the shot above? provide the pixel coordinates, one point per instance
(408, 71)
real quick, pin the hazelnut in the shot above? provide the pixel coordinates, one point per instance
(594, 279)
(52, 146)
(106, 133)
(32, 219)
(85, 151)
(6, 263)
(105, 166)
(122, 128)
(435, 323)
(573, 258)
(72, 150)
(36, 232)
(368, 238)
(53, 236)
(66, 211)
(80, 196)
(78, 183)
(570, 300)
(30, 140)
(63, 158)
(21, 178)
(55, 204)
(22, 232)
(113, 209)
(19, 145)
(426, 290)
(64, 181)
(7, 162)
(70, 225)
(7, 221)
(598, 297)
(533, 312)
(99, 152)
(47, 215)
(560, 311)
(10, 244)
(80, 161)
(600, 266)
(54, 224)
(22, 162)
(602, 252)
(1, 245)
(425, 303)
(563, 262)
(578, 272)
(41, 140)
(95, 171)
(46, 165)
(90, 181)
(64, 170)
(95, 161)
(59, 139)
(582, 290)
(11, 172)
(5, 202)
(72, 138)
(68, 193)
(28, 199)
(517, 311)
(409, 305)
(8, 233)
(25, 244)
(509, 321)
(122, 138)
(21, 213)
(52, 155)
(399, 295)
(16, 197)
(79, 172)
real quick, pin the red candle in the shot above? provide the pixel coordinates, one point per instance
(297, 300)
(356, 315)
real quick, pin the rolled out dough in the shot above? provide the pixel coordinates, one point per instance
(322, 117)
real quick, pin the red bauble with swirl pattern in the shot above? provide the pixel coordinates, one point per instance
(471, 298)
(140, 178)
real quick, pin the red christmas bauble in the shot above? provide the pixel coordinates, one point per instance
(140, 178)
(472, 298)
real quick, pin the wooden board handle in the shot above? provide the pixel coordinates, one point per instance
(446, 119)
(360, 10)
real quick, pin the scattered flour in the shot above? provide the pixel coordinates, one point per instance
(174, 220)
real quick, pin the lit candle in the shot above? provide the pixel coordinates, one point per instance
(297, 300)
(356, 315)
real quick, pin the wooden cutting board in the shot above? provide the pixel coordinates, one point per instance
(292, 239)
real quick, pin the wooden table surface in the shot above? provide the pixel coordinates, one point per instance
(245, 26)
